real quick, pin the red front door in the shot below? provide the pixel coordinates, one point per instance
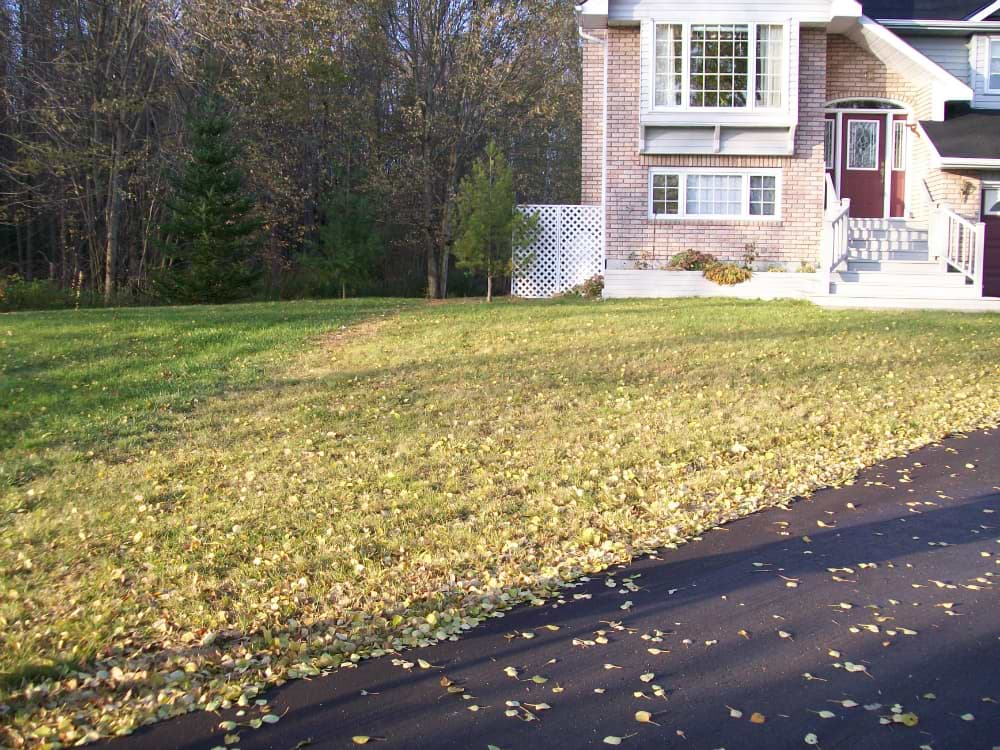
(991, 254)
(862, 164)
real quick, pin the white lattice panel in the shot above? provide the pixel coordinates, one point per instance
(567, 248)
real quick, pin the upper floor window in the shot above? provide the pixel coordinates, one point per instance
(993, 74)
(719, 66)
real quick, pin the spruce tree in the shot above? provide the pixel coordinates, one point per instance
(488, 222)
(348, 243)
(209, 237)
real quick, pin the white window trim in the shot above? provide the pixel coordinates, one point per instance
(744, 173)
(752, 106)
(990, 186)
(847, 146)
(990, 41)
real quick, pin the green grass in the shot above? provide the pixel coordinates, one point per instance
(200, 500)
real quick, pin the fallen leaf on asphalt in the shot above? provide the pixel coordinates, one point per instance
(757, 718)
(811, 739)
(645, 717)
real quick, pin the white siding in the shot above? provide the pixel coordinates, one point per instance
(979, 57)
(950, 52)
(624, 11)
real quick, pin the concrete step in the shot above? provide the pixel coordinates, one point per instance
(915, 256)
(888, 246)
(890, 292)
(856, 223)
(889, 265)
(902, 279)
(888, 233)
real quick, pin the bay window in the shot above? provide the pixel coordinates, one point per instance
(676, 193)
(719, 66)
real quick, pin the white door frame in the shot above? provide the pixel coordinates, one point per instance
(887, 116)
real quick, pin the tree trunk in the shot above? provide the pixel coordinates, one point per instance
(111, 250)
(343, 290)
(489, 288)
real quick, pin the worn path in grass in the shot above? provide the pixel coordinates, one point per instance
(754, 620)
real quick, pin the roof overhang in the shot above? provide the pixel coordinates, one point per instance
(592, 14)
(964, 141)
(901, 57)
(937, 27)
(985, 12)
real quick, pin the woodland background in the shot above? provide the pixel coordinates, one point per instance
(390, 100)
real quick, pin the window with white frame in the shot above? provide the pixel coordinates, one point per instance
(829, 148)
(899, 131)
(991, 200)
(736, 194)
(993, 74)
(719, 66)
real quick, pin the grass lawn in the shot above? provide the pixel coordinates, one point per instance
(199, 503)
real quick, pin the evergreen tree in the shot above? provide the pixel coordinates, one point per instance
(488, 222)
(348, 244)
(210, 236)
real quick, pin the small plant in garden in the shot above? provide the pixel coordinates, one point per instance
(488, 223)
(592, 288)
(806, 268)
(727, 274)
(749, 254)
(776, 268)
(691, 260)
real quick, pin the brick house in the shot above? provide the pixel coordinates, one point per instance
(856, 148)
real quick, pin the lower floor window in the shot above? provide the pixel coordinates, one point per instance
(678, 193)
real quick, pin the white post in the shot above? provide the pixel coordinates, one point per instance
(979, 251)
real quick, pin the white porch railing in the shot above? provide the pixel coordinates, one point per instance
(958, 242)
(836, 234)
(566, 249)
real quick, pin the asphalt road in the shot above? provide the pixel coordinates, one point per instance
(883, 594)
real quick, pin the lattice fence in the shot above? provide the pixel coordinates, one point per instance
(567, 249)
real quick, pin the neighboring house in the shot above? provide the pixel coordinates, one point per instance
(862, 141)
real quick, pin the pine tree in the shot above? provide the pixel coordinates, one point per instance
(488, 222)
(348, 244)
(210, 237)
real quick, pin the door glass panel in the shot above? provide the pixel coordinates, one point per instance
(828, 143)
(899, 145)
(862, 144)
